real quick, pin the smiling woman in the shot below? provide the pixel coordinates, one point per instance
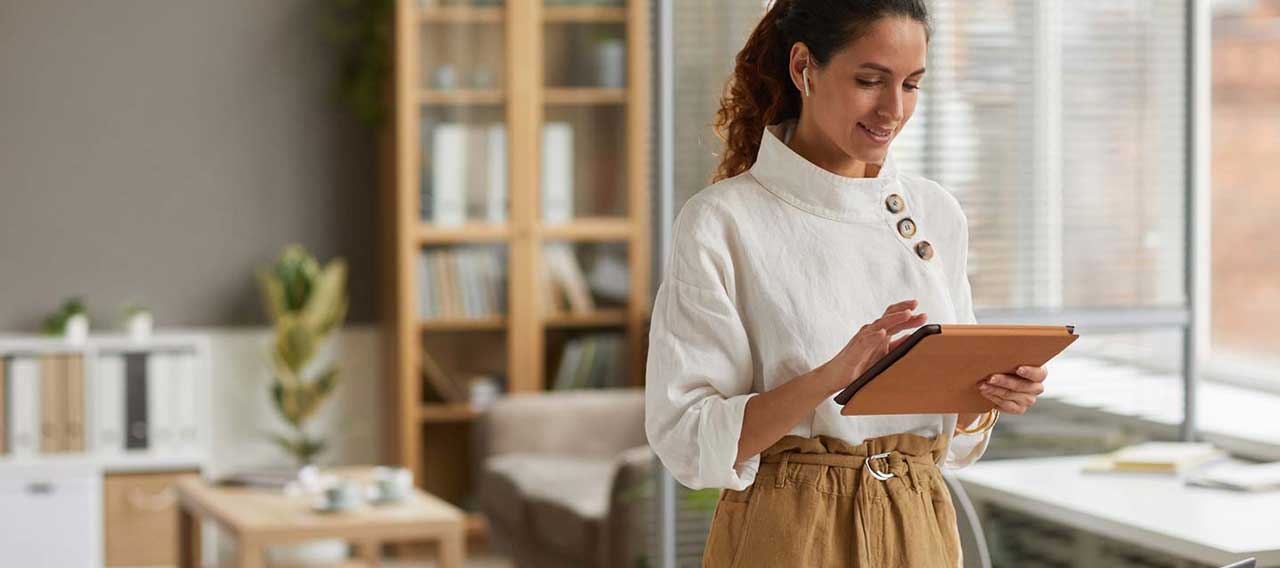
(809, 236)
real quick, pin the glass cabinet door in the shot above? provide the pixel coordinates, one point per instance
(464, 142)
(584, 168)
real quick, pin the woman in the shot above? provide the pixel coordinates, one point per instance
(809, 234)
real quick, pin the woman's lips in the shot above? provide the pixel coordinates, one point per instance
(877, 135)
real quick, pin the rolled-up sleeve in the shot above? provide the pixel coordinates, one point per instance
(698, 375)
(965, 448)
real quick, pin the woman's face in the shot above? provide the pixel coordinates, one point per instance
(860, 100)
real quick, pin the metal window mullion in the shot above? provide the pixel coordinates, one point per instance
(665, 495)
(1045, 215)
(1196, 334)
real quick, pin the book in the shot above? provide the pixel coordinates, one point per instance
(53, 404)
(447, 389)
(426, 287)
(108, 387)
(582, 373)
(557, 172)
(160, 415)
(1156, 457)
(135, 402)
(568, 363)
(1237, 476)
(24, 406)
(496, 177)
(448, 173)
(186, 391)
(73, 435)
(566, 275)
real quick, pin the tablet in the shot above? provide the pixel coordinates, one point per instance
(937, 369)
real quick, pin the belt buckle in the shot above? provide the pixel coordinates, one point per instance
(882, 476)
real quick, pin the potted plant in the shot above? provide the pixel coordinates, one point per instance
(70, 321)
(306, 304)
(138, 321)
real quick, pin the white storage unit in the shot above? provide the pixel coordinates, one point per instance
(52, 502)
(51, 514)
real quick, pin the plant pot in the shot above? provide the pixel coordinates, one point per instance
(77, 329)
(140, 326)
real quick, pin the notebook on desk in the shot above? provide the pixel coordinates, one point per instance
(938, 368)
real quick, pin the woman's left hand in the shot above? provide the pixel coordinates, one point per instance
(1015, 394)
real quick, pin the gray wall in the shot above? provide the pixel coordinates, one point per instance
(160, 150)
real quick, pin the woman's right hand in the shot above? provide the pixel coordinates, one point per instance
(869, 345)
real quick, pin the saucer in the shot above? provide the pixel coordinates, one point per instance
(323, 506)
(385, 500)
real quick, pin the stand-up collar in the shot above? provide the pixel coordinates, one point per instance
(803, 184)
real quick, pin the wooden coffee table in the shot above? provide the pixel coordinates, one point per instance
(258, 518)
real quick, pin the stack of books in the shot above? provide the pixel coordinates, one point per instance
(592, 361)
(466, 281)
(565, 284)
(465, 174)
(1236, 476)
(142, 401)
(42, 404)
(1156, 457)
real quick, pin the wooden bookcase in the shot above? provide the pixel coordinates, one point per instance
(520, 64)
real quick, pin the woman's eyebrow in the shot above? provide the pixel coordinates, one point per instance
(879, 67)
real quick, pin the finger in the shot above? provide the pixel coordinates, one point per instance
(911, 304)
(1020, 398)
(913, 321)
(1037, 374)
(1005, 405)
(894, 320)
(1016, 384)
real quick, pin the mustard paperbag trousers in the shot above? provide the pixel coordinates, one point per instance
(823, 502)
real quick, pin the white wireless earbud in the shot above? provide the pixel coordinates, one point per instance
(805, 73)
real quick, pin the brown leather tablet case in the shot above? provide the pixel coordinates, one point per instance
(937, 370)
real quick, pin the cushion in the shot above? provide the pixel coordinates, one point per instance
(562, 500)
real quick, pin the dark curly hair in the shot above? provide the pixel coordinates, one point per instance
(759, 93)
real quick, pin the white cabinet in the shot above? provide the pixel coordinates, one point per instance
(50, 515)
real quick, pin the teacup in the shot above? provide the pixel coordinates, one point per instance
(343, 494)
(392, 483)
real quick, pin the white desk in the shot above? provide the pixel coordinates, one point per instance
(1212, 526)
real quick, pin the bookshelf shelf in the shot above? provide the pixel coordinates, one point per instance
(592, 14)
(463, 324)
(585, 96)
(448, 412)
(466, 233)
(589, 229)
(597, 318)
(462, 14)
(586, 148)
(460, 97)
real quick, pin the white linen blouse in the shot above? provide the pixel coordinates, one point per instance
(770, 273)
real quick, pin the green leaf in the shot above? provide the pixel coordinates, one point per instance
(272, 294)
(327, 305)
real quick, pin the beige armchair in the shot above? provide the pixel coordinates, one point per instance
(563, 477)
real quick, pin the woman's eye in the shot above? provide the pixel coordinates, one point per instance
(866, 83)
(910, 87)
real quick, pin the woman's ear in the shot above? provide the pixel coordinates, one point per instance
(798, 65)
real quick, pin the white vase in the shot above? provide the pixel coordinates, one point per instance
(76, 329)
(139, 326)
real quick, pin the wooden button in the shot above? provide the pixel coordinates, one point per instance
(894, 203)
(924, 250)
(907, 227)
